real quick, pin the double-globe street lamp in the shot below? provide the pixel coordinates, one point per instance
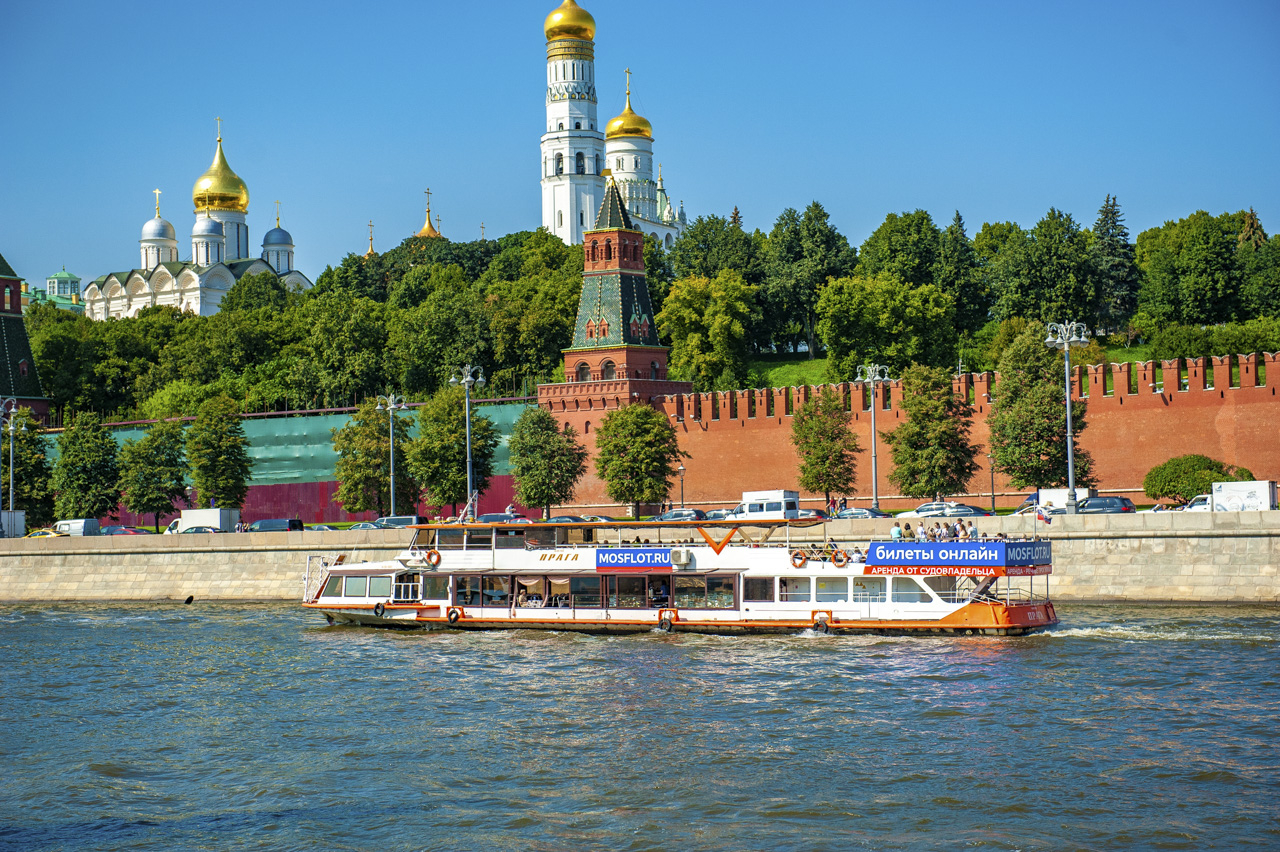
(873, 374)
(9, 410)
(1064, 335)
(391, 404)
(468, 376)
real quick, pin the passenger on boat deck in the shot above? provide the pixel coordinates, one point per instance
(858, 555)
(907, 532)
(922, 534)
(895, 533)
(510, 510)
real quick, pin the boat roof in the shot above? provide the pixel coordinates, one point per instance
(625, 524)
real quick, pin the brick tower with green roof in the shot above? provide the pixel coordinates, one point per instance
(18, 379)
(615, 358)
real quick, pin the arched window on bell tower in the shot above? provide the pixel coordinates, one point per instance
(559, 164)
(580, 163)
(608, 371)
(608, 249)
(584, 372)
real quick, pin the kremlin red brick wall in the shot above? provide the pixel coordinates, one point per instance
(1138, 416)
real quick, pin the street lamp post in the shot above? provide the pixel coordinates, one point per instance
(873, 374)
(391, 404)
(468, 376)
(1063, 336)
(991, 465)
(680, 470)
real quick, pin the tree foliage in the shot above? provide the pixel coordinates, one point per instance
(438, 457)
(706, 322)
(218, 454)
(881, 320)
(1028, 421)
(637, 454)
(547, 462)
(153, 471)
(802, 253)
(1185, 477)
(826, 446)
(86, 478)
(932, 451)
(363, 469)
(32, 492)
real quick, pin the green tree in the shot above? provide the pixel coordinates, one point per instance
(1114, 266)
(712, 243)
(438, 457)
(932, 450)
(1047, 275)
(957, 274)
(363, 469)
(547, 462)
(218, 454)
(880, 319)
(1028, 421)
(32, 478)
(803, 253)
(657, 273)
(85, 478)
(904, 246)
(254, 292)
(636, 455)
(1185, 477)
(153, 471)
(826, 446)
(706, 322)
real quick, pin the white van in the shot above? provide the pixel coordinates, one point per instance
(79, 526)
(766, 506)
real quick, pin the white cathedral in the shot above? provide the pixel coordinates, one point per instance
(577, 157)
(219, 254)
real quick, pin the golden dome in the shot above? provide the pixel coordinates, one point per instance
(428, 230)
(569, 20)
(220, 188)
(628, 124)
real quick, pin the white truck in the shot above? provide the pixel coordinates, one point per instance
(1058, 496)
(13, 524)
(766, 506)
(225, 520)
(1254, 496)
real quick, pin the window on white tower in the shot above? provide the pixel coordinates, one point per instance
(619, 164)
(560, 219)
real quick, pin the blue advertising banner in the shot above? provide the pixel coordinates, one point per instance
(975, 554)
(633, 558)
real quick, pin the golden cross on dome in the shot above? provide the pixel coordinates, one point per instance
(427, 191)
(370, 235)
(219, 120)
(437, 221)
(157, 192)
(482, 230)
(628, 82)
(277, 213)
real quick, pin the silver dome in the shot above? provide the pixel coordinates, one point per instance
(158, 229)
(277, 237)
(207, 227)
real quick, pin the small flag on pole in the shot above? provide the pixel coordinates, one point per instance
(1043, 515)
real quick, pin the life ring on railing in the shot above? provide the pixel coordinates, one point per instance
(454, 614)
(379, 609)
(798, 559)
(433, 558)
(839, 558)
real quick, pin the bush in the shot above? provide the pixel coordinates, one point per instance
(1183, 477)
(1180, 341)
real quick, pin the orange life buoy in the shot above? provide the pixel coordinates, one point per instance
(798, 559)
(839, 558)
(433, 558)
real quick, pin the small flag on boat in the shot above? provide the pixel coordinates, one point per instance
(1043, 515)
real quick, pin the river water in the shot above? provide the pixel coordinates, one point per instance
(228, 727)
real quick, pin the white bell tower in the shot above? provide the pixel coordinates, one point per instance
(573, 144)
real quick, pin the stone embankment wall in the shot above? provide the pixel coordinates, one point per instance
(1225, 557)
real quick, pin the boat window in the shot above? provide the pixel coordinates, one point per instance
(333, 588)
(627, 592)
(941, 584)
(868, 590)
(435, 588)
(355, 587)
(559, 595)
(691, 592)
(529, 591)
(793, 589)
(497, 591)
(585, 591)
(833, 589)
(379, 587)
(720, 592)
(466, 591)
(757, 589)
(907, 590)
(659, 591)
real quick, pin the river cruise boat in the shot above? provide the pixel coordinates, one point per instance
(696, 577)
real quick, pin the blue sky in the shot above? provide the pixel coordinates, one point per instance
(345, 112)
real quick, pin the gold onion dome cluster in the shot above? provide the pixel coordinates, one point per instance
(219, 188)
(569, 20)
(628, 124)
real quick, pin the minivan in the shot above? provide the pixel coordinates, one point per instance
(402, 520)
(79, 526)
(277, 525)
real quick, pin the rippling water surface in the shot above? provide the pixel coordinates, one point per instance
(168, 727)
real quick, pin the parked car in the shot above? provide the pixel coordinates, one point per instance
(368, 525)
(1202, 503)
(79, 526)
(402, 520)
(321, 527)
(502, 518)
(276, 525)
(682, 515)
(810, 514)
(1105, 506)
(717, 514)
(45, 533)
(201, 530)
(862, 512)
(596, 519)
(117, 530)
(946, 509)
(566, 519)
